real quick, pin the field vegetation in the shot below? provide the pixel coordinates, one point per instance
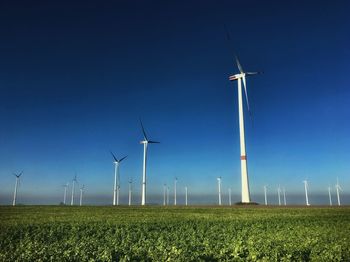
(62, 233)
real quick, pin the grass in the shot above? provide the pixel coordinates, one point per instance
(64, 233)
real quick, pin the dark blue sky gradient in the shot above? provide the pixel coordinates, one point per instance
(76, 77)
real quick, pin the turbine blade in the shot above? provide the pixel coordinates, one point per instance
(253, 73)
(239, 64)
(143, 131)
(120, 160)
(115, 159)
(246, 94)
(153, 142)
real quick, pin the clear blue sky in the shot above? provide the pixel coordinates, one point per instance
(75, 78)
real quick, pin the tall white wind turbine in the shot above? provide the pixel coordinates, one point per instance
(167, 195)
(145, 143)
(65, 193)
(330, 196)
(186, 196)
(130, 191)
(229, 197)
(116, 188)
(16, 187)
(338, 188)
(244, 170)
(279, 195)
(265, 194)
(81, 195)
(175, 184)
(284, 196)
(306, 186)
(73, 190)
(219, 189)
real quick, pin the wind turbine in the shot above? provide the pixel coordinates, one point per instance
(65, 193)
(241, 76)
(145, 143)
(279, 191)
(164, 194)
(219, 189)
(284, 196)
(167, 195)
(330, 196)
(130, 191)
(81, 195)
(229, 197)
(73, 189)
(337, 187)
(175, 183)
(265, 194)
(186, 191)
(306, 185)
(116, 188)
(16, 186)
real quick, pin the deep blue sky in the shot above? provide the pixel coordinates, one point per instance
(75, 78)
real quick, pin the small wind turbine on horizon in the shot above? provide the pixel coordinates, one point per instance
(116, 188)
(284, 196)
(130, 191)
(241, 76)
(219, 189)
(306, 186)
(145, 143)
(167, 195)
(330, 196)
(279, 195)
(338, 188)
(65, 193)
(175, 183)
(164, 194)
(265, 194)
(186, 199)
(81, 195)
(229, 197)
(16, 186)
(73, 189)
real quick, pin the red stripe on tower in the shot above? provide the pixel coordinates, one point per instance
(243, 157)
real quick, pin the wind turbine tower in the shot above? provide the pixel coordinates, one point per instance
(116, 189)
(65, 193)
(265, 194)
(229, 197)
(186, 199)
(175, 183)
(167, 195)
(306, 185)
(219, 189)
(81, 195)
(16, 186)
(279, 195)
(73, 189)
(130, 191)
(330, 196)
(241, 76)
(338, 188)
(284, 196)
(145, 143)
(164, 194)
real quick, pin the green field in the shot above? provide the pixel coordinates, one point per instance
(57, 233)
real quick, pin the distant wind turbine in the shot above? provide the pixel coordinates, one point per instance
(16, 186)
(330, 196)
(167, 195)
(175, 183)
(265, 194)
(306, 186)
(145, 143)
(116, 189)
(284, 196)
(81, 195)
(164, 194)
(73, 189)
(338, 188)
(229, 197)
(65, 193)
(186, 199)
(130, 191)
(279, 195)
(241, 76)
(219, 189)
